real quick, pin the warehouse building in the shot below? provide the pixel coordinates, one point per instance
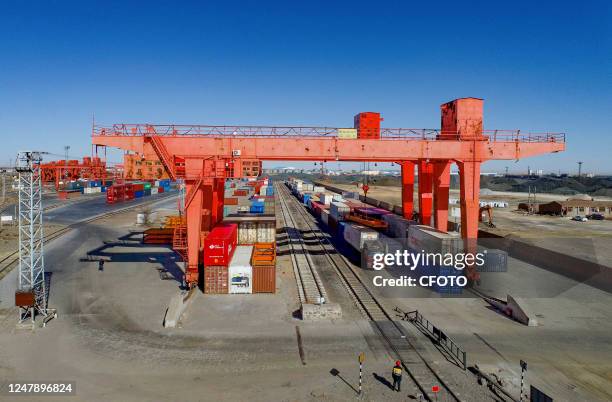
(576, 206)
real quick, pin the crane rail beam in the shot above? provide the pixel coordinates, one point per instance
(136, 130)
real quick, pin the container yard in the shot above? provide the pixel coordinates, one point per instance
(311, 224)
(268, 264)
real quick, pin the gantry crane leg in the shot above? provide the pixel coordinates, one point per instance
(441, 174)
(407, 188)
(425, 191)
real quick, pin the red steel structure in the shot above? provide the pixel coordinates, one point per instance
(61, 170)
(202, 156)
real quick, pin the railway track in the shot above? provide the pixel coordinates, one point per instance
(423, 375)
(310, 286)
(8, 261)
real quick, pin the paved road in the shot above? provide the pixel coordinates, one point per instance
(71, 214)
(74, 213)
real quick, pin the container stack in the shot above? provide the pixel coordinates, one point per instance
(219, 248)
(253, 196)
(240, 256)
(128, 191)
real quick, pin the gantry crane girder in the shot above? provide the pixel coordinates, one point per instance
(202, 155)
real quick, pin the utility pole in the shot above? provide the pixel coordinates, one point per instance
(506, 170)
(3, 187)
(31, 295)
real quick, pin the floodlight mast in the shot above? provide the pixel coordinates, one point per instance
(31, 295)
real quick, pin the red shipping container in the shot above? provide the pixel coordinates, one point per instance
(129, 191)
(160, 190)
(220, 244)
(114, 193)
(240, 193)
(138, 186)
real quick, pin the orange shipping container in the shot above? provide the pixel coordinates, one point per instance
(264, 254)
(264, 279)
(231, 201)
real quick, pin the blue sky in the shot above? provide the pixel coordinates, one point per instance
(538, 65)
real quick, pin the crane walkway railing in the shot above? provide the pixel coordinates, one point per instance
(170, 130)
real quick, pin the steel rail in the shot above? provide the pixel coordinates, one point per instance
(306, 272)
(393, 334)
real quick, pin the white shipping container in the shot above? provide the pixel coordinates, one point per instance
(390, 245)
(154, 190)
(307, 187)
(247, 233)
(325, 198)
(398, 227)
(318, 189)
(325, 216)
(356, 235)
(266, 232)
(240, 271)
(263, 189)
(421, 237)
(338, 210)
(337, 197)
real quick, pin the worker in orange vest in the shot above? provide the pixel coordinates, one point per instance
(396, 373)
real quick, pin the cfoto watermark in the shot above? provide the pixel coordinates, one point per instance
(411, 261)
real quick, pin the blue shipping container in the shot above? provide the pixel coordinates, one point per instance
(138, 194)
(256, 209)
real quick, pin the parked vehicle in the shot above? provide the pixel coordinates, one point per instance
(579, 218)
(595, 217)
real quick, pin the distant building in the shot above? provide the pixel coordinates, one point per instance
(576, 206)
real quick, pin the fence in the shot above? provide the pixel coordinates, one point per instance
(439, 336)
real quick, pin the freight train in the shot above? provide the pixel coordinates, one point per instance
(389, 234)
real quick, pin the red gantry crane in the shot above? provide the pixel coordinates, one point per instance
(204, 156)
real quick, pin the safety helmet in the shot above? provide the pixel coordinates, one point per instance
(398, 363)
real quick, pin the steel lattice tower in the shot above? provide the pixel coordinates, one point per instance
(31, 251)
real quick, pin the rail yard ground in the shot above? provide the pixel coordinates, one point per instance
(110, 341)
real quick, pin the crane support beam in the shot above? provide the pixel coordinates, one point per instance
(332, 149)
